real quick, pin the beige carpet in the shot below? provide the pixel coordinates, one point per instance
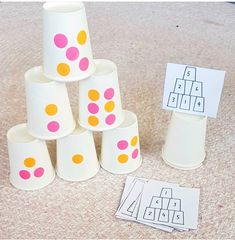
(140, 38)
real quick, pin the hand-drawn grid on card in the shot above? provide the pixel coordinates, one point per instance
(165, 208)
(188, 92)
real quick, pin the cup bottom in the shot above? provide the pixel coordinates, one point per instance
(33, 188)
(79, 179)
(64, 134)
(122, 172)
(182, 167)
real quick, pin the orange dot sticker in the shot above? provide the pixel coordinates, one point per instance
(51, 109)
(134, 141)
(81, 38)
(29, 162)
(109, 106)
(93, 121)
(77, 158)
(123, 158)
(93, 95)
(63, 69)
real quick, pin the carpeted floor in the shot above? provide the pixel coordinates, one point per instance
(141, 38)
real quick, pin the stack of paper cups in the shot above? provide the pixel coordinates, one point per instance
(76, 156)
(67, 54)
(49, 113)
(30, 163)
(100, 105)
(185, 141)
(120, 151)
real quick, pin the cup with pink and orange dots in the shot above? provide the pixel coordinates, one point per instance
(76, 156)
(120, 150)
(49, 114)
(67, 53)
(100, 106)
(30, 163)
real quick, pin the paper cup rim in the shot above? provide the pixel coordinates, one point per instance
(181, 166)
(78, 180)
(56, 137)
(55, 7)
(189, 117)
(75, 79)
(34, 188)
(35, 76)
(124, 172)
(13, 135)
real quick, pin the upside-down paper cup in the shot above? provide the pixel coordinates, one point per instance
(67, 53)
(185, 141)
(100, 105)
(76, 156)
(49, 114)
(120, 150)
(30, 163)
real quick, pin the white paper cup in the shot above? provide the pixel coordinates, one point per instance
(67, 53)
(100, 105)
(30, 163)
(49, 114)
(120, 150)
(185, 141)
(76, 156)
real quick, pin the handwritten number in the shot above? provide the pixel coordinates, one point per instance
(188, 73)
(178, 217)
(163, 215)
(174, 204)
(179, 86)
(173, 99)
(196, 89)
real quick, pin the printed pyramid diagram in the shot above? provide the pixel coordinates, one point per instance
(165, 208)
(188, 92)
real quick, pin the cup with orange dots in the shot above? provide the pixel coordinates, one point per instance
(120, 150)
(76, 156)
(100, 106)
(67, 53)
(30, 163)
(49, 114)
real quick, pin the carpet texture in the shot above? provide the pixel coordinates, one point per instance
(141, 38)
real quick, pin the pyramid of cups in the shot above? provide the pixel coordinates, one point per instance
(67, 57)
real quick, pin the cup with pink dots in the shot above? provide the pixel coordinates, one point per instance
(67, 53)
(30, 163)
(120, 149)
(100, 106)
(49, 114)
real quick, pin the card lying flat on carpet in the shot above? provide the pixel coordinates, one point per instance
(161, 205)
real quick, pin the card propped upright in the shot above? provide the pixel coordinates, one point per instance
(192, 90)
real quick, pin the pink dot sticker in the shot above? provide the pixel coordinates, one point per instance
(135, 153)
(38, 172)
(83, 64)
(60, 40)
(53, 126)
(109, 93)
(72, 53)
(123, 144)
(93, 108)
(24, 174)
(110, 119)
